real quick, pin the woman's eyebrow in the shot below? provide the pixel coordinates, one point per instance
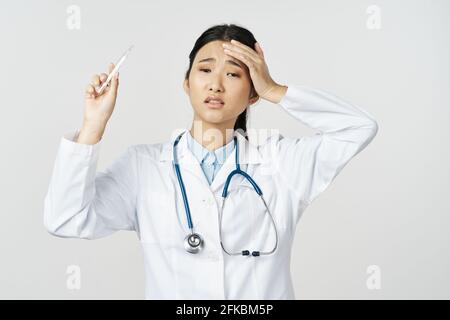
(228, 61)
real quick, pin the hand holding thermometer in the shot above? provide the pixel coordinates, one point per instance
(114, 71)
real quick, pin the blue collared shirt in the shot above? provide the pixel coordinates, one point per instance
(210, 161)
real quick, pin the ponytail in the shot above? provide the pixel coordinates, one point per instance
(241, 123)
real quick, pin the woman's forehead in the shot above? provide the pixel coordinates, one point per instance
(213, 51)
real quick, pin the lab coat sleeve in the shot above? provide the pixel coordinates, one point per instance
(310, 163)
(83, 203)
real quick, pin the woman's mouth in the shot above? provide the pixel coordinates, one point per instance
(214, 103)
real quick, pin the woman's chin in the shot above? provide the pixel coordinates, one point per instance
(214, 116)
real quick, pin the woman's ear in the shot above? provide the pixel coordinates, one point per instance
(253, 100)
(186, 86)
(254, 97)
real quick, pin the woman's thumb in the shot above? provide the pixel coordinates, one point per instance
(115, 83)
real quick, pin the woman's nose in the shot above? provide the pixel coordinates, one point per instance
(216, 83)
(215, 89)
(215, 86)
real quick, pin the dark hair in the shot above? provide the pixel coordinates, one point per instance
(226, 32)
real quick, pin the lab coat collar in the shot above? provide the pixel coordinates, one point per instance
(248, 154)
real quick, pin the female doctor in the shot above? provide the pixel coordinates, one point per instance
(215, 214)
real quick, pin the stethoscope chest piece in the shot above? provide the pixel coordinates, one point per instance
(193, 243)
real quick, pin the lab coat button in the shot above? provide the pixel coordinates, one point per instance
(210, 202)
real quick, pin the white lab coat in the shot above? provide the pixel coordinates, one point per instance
(139, 191)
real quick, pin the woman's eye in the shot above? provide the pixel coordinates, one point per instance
(234, 75)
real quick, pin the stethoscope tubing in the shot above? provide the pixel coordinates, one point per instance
(194, 242)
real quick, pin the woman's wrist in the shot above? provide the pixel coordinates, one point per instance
(91, 134)
(276, 94)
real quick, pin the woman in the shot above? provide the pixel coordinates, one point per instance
(169, 191)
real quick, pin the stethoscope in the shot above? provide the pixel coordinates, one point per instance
(193, 242)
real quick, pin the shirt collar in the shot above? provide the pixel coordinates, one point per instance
(201, 152)
(248, 151)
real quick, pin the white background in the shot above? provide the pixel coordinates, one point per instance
(389, 207)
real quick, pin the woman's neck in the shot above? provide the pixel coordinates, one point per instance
(212, 135)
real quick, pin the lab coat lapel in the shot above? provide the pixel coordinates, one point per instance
(188, 162)
(248, 157)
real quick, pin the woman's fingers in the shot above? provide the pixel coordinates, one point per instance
(110, 69)
(95, 80)
(243, 49)
(259, 49)
(103, 77)
(90, 92)
(89, 88)
(242, 57)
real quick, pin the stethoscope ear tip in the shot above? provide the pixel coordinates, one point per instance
(247, 253)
